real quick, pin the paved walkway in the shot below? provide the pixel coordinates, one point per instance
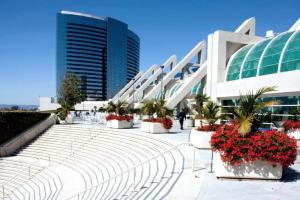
(211, 188)
(200, 184)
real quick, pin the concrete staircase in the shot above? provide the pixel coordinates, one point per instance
(89, 162)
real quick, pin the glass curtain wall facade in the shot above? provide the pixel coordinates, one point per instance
(269, 56)
(97, 51)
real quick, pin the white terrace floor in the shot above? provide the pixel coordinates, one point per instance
(67, 159)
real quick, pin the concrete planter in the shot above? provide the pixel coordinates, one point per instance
(189, 122)
(200, 139)
(119, 124)
(153, 127)
(69, 120)
(248, 170)
(198, 122)
(295, 134)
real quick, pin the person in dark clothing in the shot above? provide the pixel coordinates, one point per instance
(181, 116)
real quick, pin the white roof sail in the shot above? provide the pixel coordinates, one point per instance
(296, 26)
(247, 27)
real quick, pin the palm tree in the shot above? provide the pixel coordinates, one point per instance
(198, 106)
(249, 105)
(161, 110)
(101, 109)
(148, 108)
(121, 108)
(211, 112)
(200, 100)
(111, 107)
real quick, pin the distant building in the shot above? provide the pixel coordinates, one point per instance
(228, 64)
(103, 52)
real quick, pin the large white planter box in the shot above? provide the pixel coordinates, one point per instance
(251, 170)
(153, 127)
(119, 124)
(189, 122)
(295, 134)
(200, 139)
(69, 120)
(198, 122)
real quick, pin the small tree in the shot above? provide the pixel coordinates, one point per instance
(101, 109)
(148, 108)
(119, 108)
(246, 112)
(69, 94)
(111, 107)
(161, 110)
(211, 113)
(198, 106)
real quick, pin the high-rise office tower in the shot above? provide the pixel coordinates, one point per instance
(102, 52)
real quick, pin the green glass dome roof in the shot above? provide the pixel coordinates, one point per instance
(269, 56)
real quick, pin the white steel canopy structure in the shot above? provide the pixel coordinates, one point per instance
(233, 62)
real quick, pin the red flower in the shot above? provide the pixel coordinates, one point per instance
(291, 125)
(271, 146)
(119, 118)
(208, 128)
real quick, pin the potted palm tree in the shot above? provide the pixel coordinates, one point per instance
(200, 136)
(158, 117)
(244, 151)
(118, 115)
(200, 100)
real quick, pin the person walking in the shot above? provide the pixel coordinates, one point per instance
(181, 116)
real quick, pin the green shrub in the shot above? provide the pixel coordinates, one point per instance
(14, 123)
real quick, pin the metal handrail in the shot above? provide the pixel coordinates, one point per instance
(18, 174)
(128, 170)
(42, 168)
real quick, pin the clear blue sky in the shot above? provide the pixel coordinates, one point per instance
(165, 27)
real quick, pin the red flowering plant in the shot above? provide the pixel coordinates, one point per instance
(208, 128)
(290, 125)
(151, 107)
(118, 111)
(270, 146)
(119, 118)
(166, 122)
(243, 142)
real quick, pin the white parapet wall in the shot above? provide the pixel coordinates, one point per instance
(48, 103)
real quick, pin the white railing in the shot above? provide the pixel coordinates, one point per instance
(28, 168)
(132, 169)
(24, 169)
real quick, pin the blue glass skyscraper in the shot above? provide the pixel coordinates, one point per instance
(102, 52)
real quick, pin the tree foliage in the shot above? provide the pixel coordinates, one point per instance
(200, 100)
(151, 107)
(120, 108)
(211, 112)
(248, 107)
(69, 92)
(69, 95)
